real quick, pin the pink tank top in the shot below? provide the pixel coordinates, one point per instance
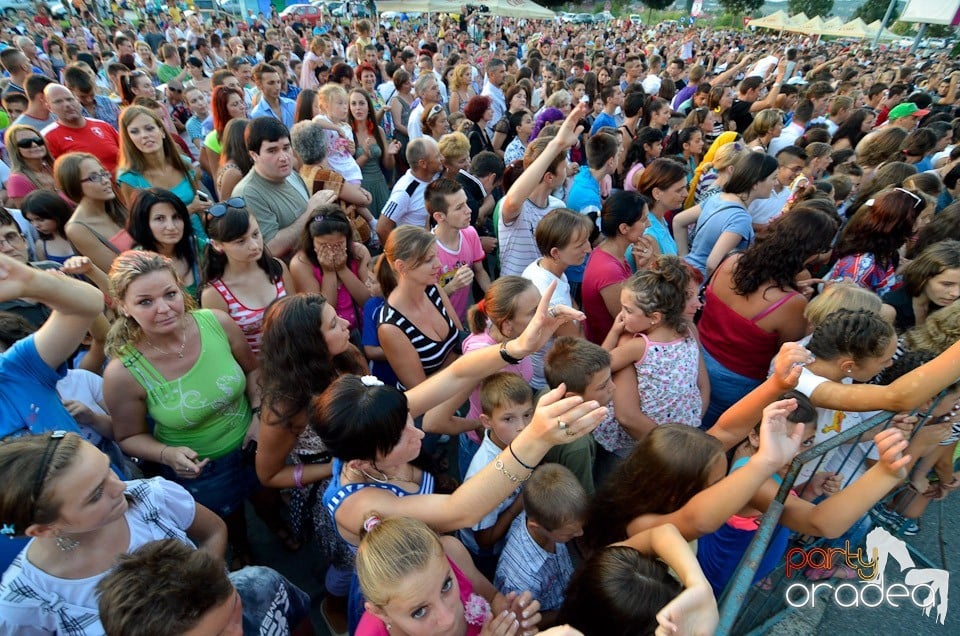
(249, 320)
(345, 305)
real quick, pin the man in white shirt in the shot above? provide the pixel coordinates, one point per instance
(426, 68)
(651, 83)
(428, 93)
(405, 205)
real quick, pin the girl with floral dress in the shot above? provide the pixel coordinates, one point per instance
(652, 338)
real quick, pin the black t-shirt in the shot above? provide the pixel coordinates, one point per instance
(740, 113)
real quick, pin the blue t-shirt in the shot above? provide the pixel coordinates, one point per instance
(661, 234)
(603, 120)
(585, 199)
(719, 216)
(369, 338)
(29, 403)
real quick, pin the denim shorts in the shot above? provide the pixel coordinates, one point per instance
(223, 484)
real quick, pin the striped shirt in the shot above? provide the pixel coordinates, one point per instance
(249, 320)
(432, 353)
(517, 245)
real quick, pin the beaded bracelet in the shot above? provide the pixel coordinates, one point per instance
(499, 466)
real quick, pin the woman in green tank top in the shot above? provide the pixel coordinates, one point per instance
(192, 371)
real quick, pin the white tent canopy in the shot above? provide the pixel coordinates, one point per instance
(519, 9)
(419, 6)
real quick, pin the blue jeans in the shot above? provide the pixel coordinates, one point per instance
(726, 389)
(223, 484)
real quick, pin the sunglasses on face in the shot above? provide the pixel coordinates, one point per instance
(30, 142)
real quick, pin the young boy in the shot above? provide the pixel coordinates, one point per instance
(584, 368)
(459, 249)
(603, 159)
(535, 556)
(506, 402)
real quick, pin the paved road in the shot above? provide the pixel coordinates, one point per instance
(939, 541)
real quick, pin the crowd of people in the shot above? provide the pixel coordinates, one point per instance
(518, 323)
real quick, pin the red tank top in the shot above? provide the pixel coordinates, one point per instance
(736, 342)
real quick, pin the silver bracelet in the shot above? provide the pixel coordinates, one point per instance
(499, 466)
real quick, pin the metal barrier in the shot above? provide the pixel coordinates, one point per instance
(747, 608)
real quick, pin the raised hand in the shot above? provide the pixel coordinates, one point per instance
(789, 363)
(779, 438)
(546, 321)
(560, 420)
(890, 445)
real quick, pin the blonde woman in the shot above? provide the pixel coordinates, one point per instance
(145, 59)
(766, 126)
(163, 349)
(31, 165)
(461, 87)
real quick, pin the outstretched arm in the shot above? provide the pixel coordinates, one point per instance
(75, 305)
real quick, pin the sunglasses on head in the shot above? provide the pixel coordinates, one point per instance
(30, 142)
(917, 201)
(219, 209)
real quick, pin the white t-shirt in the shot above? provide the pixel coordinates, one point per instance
(405, 205)
(762, 211)
(846, 459)
(541, 279)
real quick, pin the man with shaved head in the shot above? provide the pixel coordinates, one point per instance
(75, 133)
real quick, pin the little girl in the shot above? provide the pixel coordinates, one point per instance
(330, 263)
(243, 277)
(416, 583)
(652, 333)
(502, 313)
(48, 213)
(334, 114)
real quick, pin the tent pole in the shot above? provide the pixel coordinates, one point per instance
(883, 25)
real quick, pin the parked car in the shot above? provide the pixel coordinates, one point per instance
(936, 43)
(905, 42)
(583, 18)
(603, 16)
(635, 18)
(566, 16)
(11, 7)
(305, 13)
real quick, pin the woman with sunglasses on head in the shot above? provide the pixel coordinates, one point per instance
(868, 251)
(243, 278)
(98, 225)
(31, 164)
(160, 222)
(434, 122)
(150, 158)
(61, 493)
(136, 84)
(192, 372)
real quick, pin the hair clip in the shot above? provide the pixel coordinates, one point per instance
(371, 522)
(319, 218)
(371, 380)
(8, 530)
(870, 202)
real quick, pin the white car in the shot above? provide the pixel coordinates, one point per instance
(936, 43)
(566, 16)
(905, 43)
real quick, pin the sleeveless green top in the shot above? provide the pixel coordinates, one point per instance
(205, 409)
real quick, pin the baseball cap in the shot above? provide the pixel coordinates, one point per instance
(906, 109)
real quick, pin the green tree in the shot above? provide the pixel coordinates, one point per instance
(741, 7)
(812, 8)
(873, 10)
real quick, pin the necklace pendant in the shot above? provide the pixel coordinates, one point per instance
(180, 355)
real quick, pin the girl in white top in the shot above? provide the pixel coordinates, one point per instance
(334, 113)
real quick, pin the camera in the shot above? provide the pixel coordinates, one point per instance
(480, 8)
